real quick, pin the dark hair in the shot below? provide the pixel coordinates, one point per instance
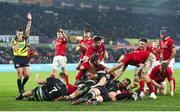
(63, 75)
(164, 32)
(164, 66)
(87, 30)
(20, 29)
(97, 38)
(129, 81)
(59, 31)
(143, 40)
(94, 58)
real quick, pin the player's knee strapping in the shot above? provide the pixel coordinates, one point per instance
(83, 89)
(90, 95)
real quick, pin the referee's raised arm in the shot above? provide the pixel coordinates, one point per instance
(28, 27)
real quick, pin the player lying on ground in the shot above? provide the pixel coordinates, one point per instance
(113, 90)
(119, 91)
(98, 91)
(49, 89)
(84, 86)
(86, 76)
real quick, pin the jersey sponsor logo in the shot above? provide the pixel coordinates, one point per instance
(164, 46)
(21, 45)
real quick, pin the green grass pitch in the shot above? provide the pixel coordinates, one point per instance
(8, 92)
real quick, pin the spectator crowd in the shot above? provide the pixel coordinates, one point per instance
(111, 24)
(45, 55)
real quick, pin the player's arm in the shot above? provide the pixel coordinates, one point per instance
(83, 46)
(106, 55)
(28, 27)
(77, 49)
(79, 67)
(173, 49)
(157, 85)
(140, 68)
(101, 82)
(120, 59)
(59, 98)
(171, 57)
(35, 53)
(120, 72)
(14, 45)
(79, 46)
(89, 52)
(39, 80)
(85, 58)
(65, 36)
(173, 53)
(119, 65)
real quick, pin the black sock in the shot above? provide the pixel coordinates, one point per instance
(25, 80)
(19, 85)
(88, 95)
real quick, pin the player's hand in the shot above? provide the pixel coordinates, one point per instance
(162, 86)
(172, 93)
(83, 46)
(166, 62)
(29, 16)
(85, 58)
(15, 47)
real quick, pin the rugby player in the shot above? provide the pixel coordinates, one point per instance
(159, 74)
(168, 50)
(141, 59)
(97, 48)
(84, 43)
(49, 89)
(60, 58)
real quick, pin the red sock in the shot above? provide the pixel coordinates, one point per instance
(174, 82)
(150, 86)
(67, 79)
(141, 84)
(79, 75)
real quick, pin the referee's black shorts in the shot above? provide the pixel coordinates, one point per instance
(21, 61)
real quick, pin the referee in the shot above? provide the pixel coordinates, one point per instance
(20, 52)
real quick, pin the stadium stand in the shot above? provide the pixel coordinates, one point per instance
(46, 21)
(115, 27)
(46, 55)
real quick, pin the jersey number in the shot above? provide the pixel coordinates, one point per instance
(53, 90)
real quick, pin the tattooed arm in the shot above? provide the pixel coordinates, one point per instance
(28, 27)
